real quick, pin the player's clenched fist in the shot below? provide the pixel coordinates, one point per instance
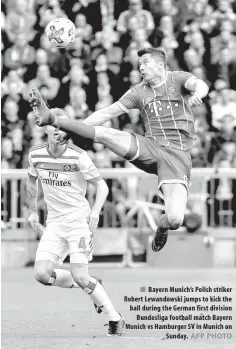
(194, 100)
(93, 221)
(33, 220)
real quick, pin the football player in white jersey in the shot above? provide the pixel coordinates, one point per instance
(64, 171)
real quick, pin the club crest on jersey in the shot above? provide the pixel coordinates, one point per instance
(171, 89)
(67, 168)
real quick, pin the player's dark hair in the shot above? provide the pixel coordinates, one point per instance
(154, 51)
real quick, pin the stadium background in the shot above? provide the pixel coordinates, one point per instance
(93, 72)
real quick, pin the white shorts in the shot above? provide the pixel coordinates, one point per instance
(57, 241)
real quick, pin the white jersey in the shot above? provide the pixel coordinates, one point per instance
(64, 182)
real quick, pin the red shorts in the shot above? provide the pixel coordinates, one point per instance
(170, 164)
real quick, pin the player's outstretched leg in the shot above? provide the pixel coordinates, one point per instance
(121, 143)
(175, 196)
(46, 274)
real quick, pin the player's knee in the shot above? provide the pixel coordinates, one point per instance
(175, 220)
(42, 275)
(81, 280)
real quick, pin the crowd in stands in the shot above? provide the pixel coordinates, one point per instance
(102, 63)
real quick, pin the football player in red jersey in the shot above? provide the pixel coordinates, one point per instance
(165, 99)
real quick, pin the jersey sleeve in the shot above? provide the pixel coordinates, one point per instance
(88, 169)
(183, 78)
(130, 100)
(31, 169)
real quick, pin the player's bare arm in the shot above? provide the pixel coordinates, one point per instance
(199, 89)
(100, 198)
(32, 192)
(101, 116)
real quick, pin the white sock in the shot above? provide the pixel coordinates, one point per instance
(62, 278)
(100, 297)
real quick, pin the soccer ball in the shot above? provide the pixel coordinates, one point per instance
(60, 32)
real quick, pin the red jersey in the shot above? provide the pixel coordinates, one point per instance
(168, 118)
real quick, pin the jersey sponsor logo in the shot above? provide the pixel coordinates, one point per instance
(55, 182)
(158, 108)
(67, 168)
(155, 107)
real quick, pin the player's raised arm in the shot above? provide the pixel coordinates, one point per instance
(99, 117)
(199, 89)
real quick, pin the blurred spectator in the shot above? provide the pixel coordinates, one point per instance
(106, 41)
(41, 57)
(227, 133)
(224, 12)
(200, 73)
(70, 111)
(78, 49)
(226, 154)
(91, 9)
(56, 58)
(134, 77)
(8, 160)
(192, 59)
(167, 28)
(20, 54)
(199, 154)
(169, 46)
(19, 20)
(225, 68)
(225, 40)
(162, 8)
(13, 85)
(47, 85)
(138, 41)
(16, 135)
(71, 86)
(49, 11)
(143, 18)
(78, 102)
(83, 29)
(224, 105)
(102, 156)
(10, 117)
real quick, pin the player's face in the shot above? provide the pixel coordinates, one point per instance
(53, 134)
(150, 68)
